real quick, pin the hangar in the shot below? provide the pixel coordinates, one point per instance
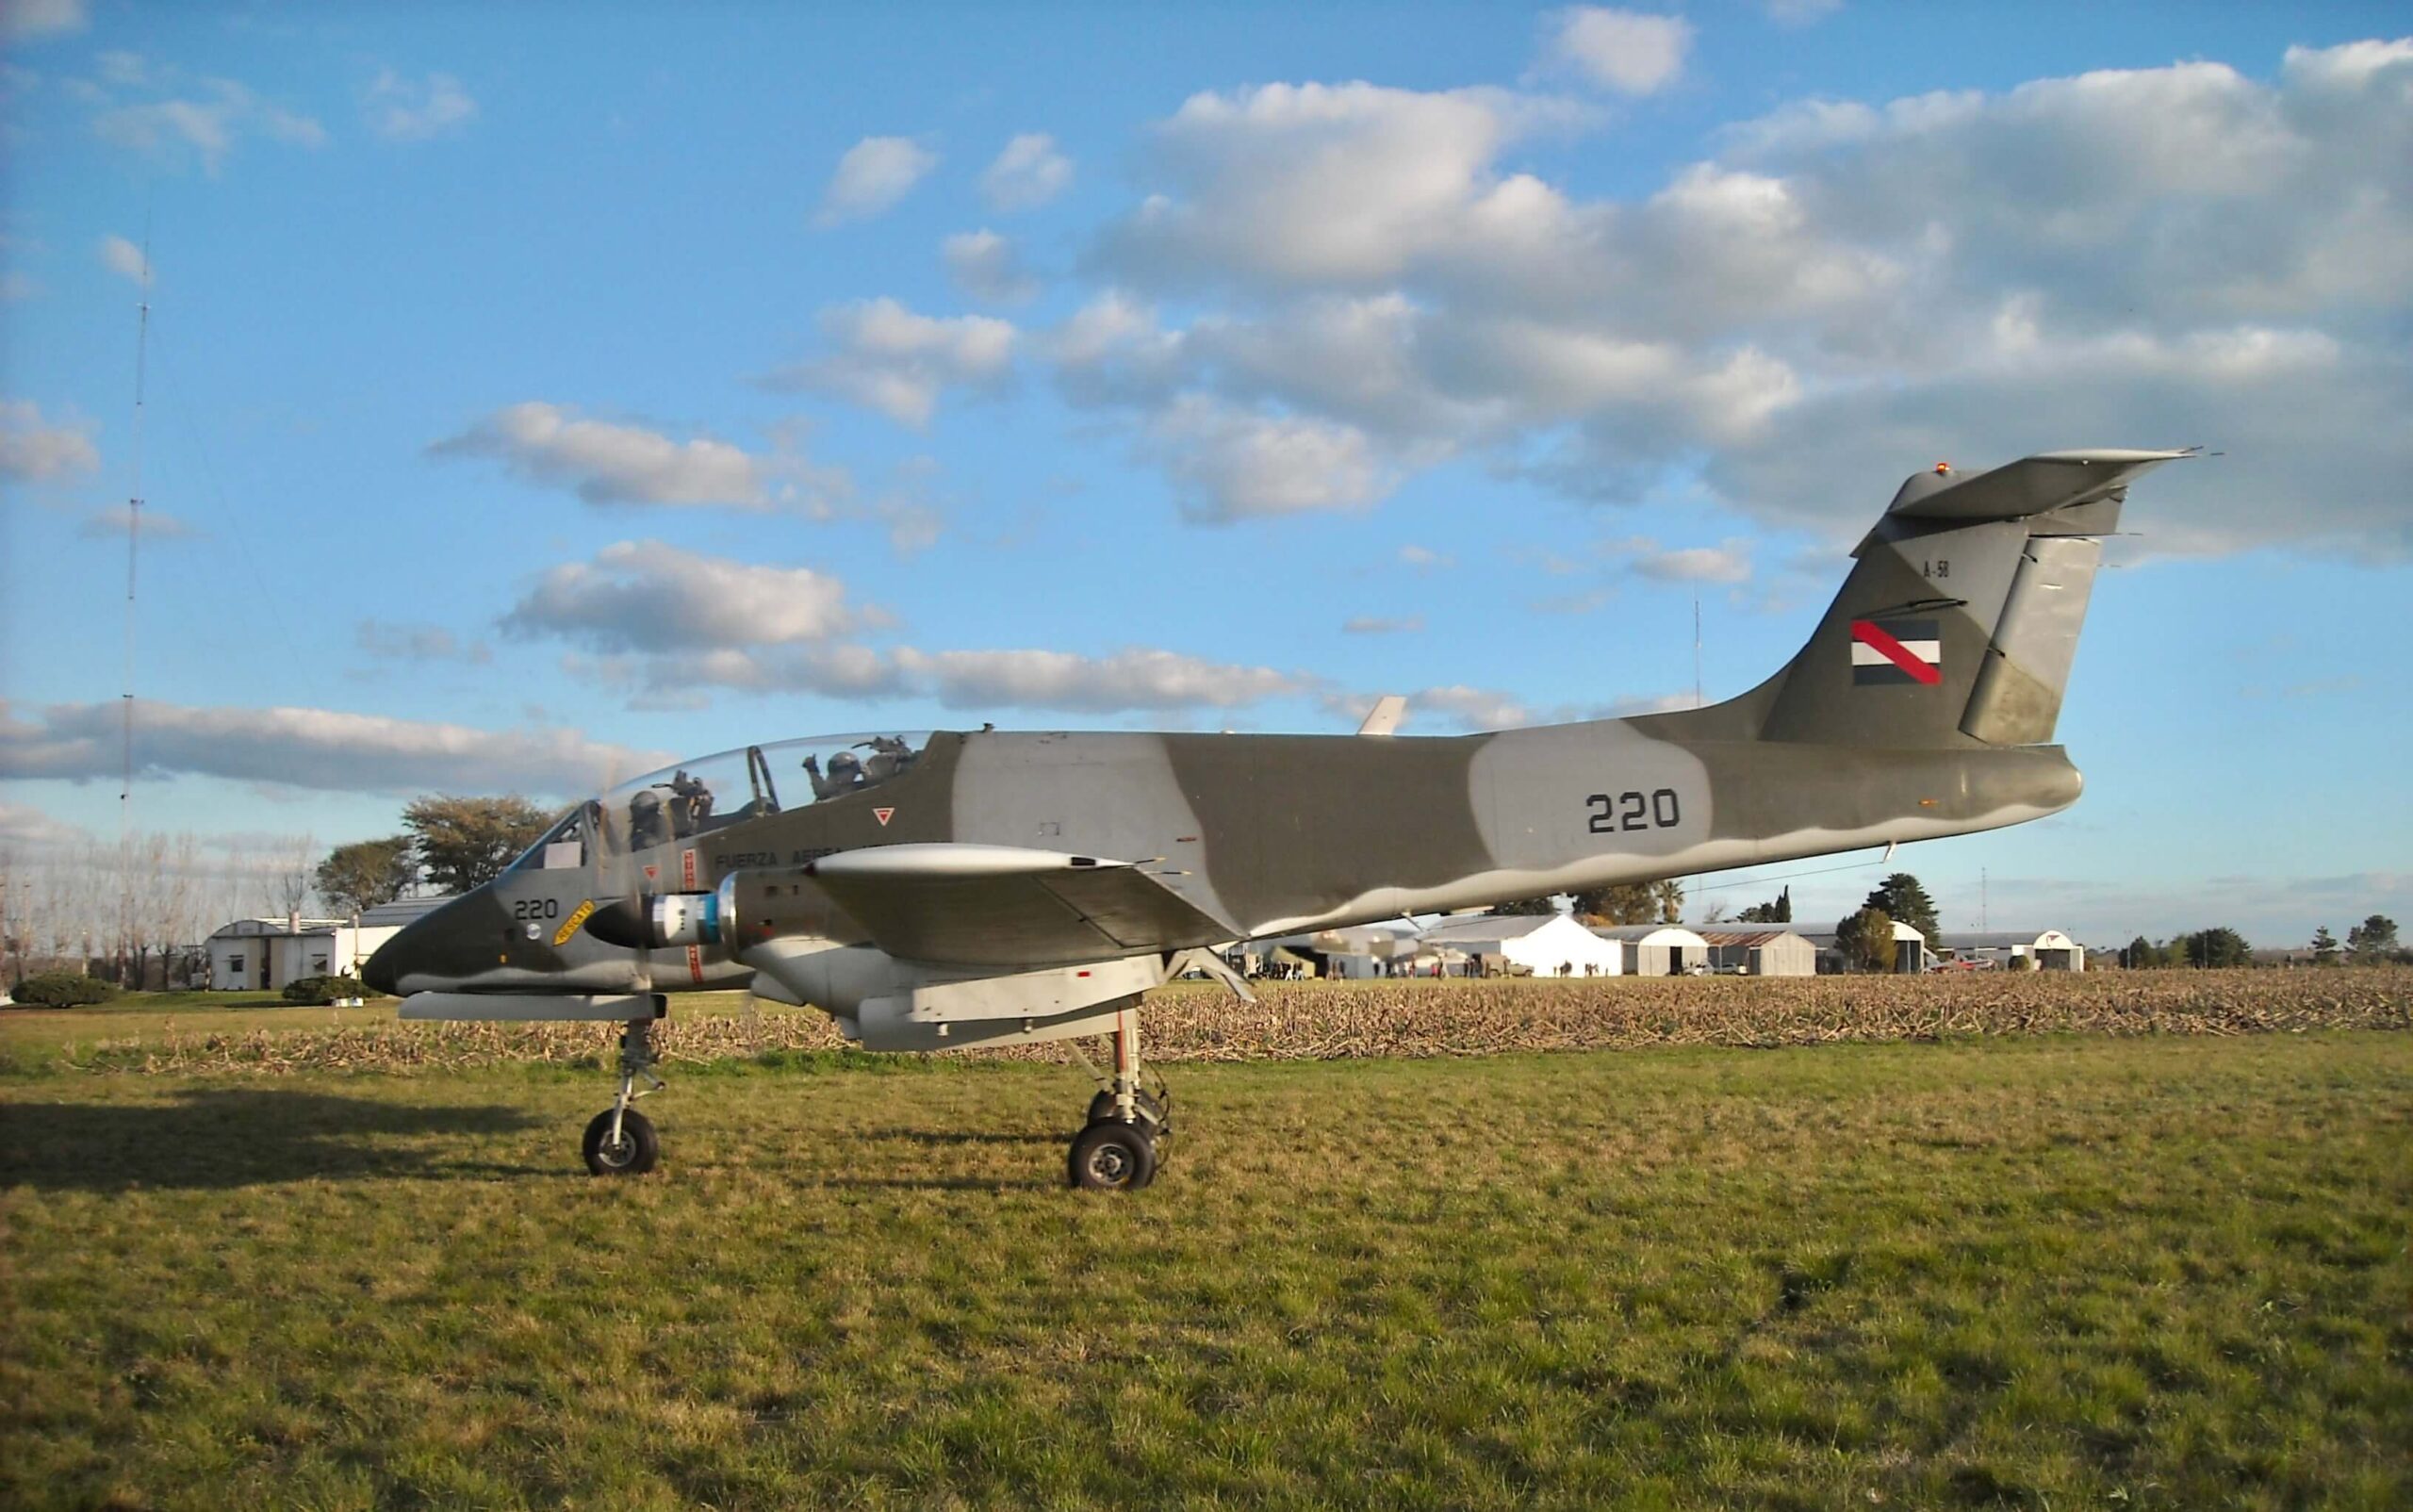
(1656, 949)
(1762, 952)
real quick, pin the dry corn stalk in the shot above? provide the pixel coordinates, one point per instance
(1338, 1020)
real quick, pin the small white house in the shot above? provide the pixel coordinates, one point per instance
(1546, 945)
(2052, 950)
(264, 955)
(1656, 949)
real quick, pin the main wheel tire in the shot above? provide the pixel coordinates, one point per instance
(1152, 1112)
(1111, 1157)
(635, 1154)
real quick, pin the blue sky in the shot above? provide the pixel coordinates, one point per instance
(532, 397)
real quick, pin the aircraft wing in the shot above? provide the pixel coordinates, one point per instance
(1008, 906)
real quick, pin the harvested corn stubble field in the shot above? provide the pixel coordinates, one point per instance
(1315, 1021)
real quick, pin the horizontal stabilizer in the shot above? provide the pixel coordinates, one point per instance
(2032, 486)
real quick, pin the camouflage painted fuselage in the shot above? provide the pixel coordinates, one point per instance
(1919, 708)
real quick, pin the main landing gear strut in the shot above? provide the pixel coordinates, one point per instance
(621, 1142)
(1117, 1151)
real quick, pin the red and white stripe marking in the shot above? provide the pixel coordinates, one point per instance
(1871, 646)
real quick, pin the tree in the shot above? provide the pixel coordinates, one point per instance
(1904, 901)
(358, 877)
(289, 865)
(1527, 906)
(2217, 947)
(2372, 941)
(1668, 898)
(2141, 953)
(1624, 903)
(1777, 910)
(465, 841)
(2324, 946)
(1866, 940)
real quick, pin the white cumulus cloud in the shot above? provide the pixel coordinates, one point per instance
(1631, 52)
(1060, 681)
(891, 359)
(2152, 256)
(33, 450)
(649, 595)
(172, 117)
(125, 259)
(1226, 463)
(1029, 172)
(406, 109)
(871, 176)
(986, 266)
(610, 463)
(33, 20)
(322, 749)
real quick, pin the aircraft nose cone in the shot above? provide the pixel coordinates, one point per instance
(383, 968)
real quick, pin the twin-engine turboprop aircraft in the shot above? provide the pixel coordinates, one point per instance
(936, 892)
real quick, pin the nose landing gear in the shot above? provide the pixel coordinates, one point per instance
(620, 1141)
(1117, 1150)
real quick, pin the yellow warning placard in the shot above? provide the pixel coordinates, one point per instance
(569, 926)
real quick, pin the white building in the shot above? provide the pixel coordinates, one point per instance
(2049, 951)
(1656, 949)
(1762, 952)
(264, 955)
(1546, 945)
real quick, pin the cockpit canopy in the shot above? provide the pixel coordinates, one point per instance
(680, 802)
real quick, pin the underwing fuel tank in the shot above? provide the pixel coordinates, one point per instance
(886, 1004)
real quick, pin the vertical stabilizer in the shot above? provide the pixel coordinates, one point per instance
(1960, 616)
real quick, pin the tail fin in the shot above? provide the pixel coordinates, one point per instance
(1961, 613)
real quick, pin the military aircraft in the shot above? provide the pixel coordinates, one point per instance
(941, 891)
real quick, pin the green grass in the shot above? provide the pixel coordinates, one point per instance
(2050, 1271)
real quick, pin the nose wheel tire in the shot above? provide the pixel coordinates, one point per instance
(1112, 1157)
(631, 1155)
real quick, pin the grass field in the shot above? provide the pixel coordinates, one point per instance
(2053, 1271)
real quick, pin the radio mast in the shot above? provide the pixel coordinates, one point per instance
(126, 703)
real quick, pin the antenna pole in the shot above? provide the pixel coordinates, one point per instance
(125, 704)
(1697, 697)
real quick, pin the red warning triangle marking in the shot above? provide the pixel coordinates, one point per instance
(882, 816)
(652, 872)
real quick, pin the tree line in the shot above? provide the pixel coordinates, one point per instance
(136, 915)
(2371, 943)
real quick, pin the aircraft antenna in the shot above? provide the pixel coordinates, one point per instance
(125, 702)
